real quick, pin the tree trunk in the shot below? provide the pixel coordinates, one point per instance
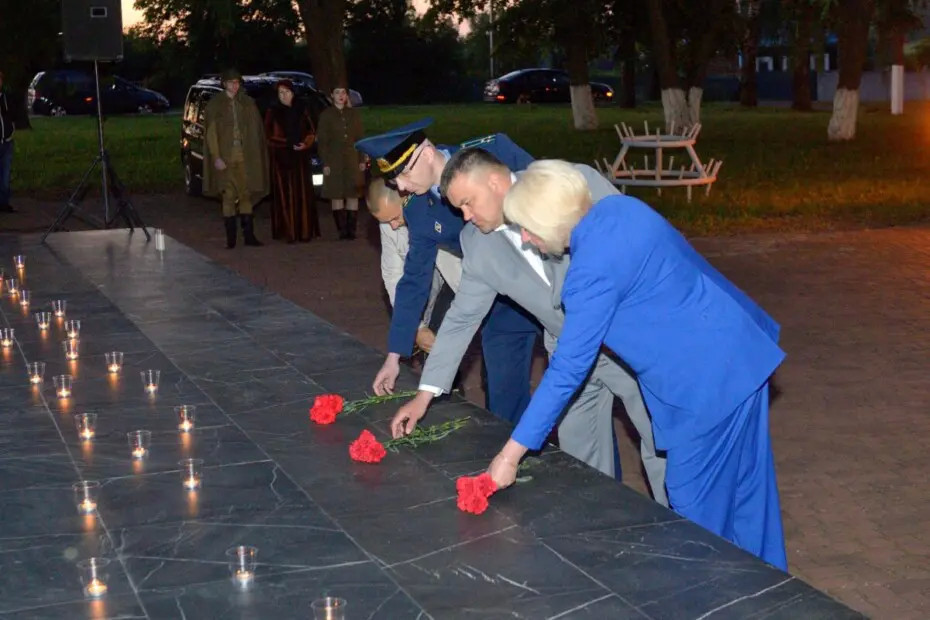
(324, 23)
(749, 48)
(583, 112)
(695, 95)
(845, 108)
(675, 106)
(802, 97)
(854, 17)
(628, 76)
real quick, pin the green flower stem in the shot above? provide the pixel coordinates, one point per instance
(355, 406)
(429, 434)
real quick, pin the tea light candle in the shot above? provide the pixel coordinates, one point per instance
(36, 372)
(6, 337)
(73, 329)
(71, 348)
(59, 306)
(185, 415)
(85, 495)
(139, 443)
(86, 425)
(150, 380)
(191, 473)
(43, 320)
(93, 576)
(24, 297)
(242, 563)
(12, 287)
(114, 361)
(63, 385)
(19, 261)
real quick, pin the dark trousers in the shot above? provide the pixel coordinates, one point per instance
(6, 163)
(507, 341)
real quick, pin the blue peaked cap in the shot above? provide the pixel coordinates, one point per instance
(391, 150)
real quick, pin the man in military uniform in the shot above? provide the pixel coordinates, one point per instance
(411, 163)
(235, 162)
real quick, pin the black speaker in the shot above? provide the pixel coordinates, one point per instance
(92, 30)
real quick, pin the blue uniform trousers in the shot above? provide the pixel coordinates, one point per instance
(507, 341)
(724, 480)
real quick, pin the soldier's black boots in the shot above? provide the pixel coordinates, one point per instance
(351, 219)
(230, 223)
(248, 230)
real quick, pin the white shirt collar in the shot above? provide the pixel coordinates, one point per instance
(446, 156)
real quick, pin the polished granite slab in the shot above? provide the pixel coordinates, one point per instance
(569, 543)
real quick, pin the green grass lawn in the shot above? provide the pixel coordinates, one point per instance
(779, 171)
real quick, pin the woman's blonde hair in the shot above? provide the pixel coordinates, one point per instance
(379, 194)
(548, 200)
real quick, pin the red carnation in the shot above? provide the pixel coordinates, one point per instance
(367, 449)
(325, 408)
(474, 491)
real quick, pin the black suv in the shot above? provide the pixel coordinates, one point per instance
(539, 86)
(262, 90)
(68, 91)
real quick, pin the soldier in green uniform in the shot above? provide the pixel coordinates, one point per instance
(235, 160)
(339, 128)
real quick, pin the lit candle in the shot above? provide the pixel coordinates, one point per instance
(87, 434)
(113, 368)
(59, 306)
(35, 379)
(151, 388)
(6, 337)
(244, 576)
(192, 482)
(138, 443)
(85, 494)
(87, 506)
(12, 287)
(114, 361)
(6, 342)
(86, 425)
(43, 320)
(24, 297)
(96, 588)
(73, 329)
(138, 453)
(20, 261)
(64, 392)
(186, 426)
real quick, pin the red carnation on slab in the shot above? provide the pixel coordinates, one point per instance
(325, 408)
(367, 449)
(474, 491)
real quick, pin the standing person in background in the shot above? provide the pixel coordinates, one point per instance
(7, 128)
(235, 158)
(290, 134)
(340, 128)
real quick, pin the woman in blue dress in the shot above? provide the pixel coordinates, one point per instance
(701, 349)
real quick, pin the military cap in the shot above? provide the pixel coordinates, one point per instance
(392, 150)
(230, 74)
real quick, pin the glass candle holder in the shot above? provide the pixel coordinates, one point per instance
(19, 261)
(329, 608)
(43, 320)
(191, 473)
(150, 380)
(59, 307)
(63, 384)
(36, 372)
(7, 337)
(114, 361)
(73, 329)
(71, 347)
(139, 442)
(86, 424)
(85, 496)
(93, 573)
(185, 415)
(12, 287)
(24, 298)
(242, 564)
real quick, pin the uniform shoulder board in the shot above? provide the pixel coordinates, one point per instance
(406, 201)
(479, 141)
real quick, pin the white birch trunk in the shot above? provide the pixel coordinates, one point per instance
(845, 108)
(695, 95)
(583, 112)
(675, 106)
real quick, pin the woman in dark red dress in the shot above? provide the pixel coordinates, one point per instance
(290, 134)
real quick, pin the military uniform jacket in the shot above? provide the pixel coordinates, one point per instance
(432, 224)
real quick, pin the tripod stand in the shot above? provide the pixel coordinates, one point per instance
(110, 184)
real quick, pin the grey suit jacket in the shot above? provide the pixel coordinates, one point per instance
(492, 265)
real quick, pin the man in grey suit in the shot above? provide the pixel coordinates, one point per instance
(496, 262)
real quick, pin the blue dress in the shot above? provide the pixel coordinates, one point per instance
(702, 352)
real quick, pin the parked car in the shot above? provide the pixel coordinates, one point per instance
(262, 90)
(539, 86)
(309, 81)
(68, 91)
